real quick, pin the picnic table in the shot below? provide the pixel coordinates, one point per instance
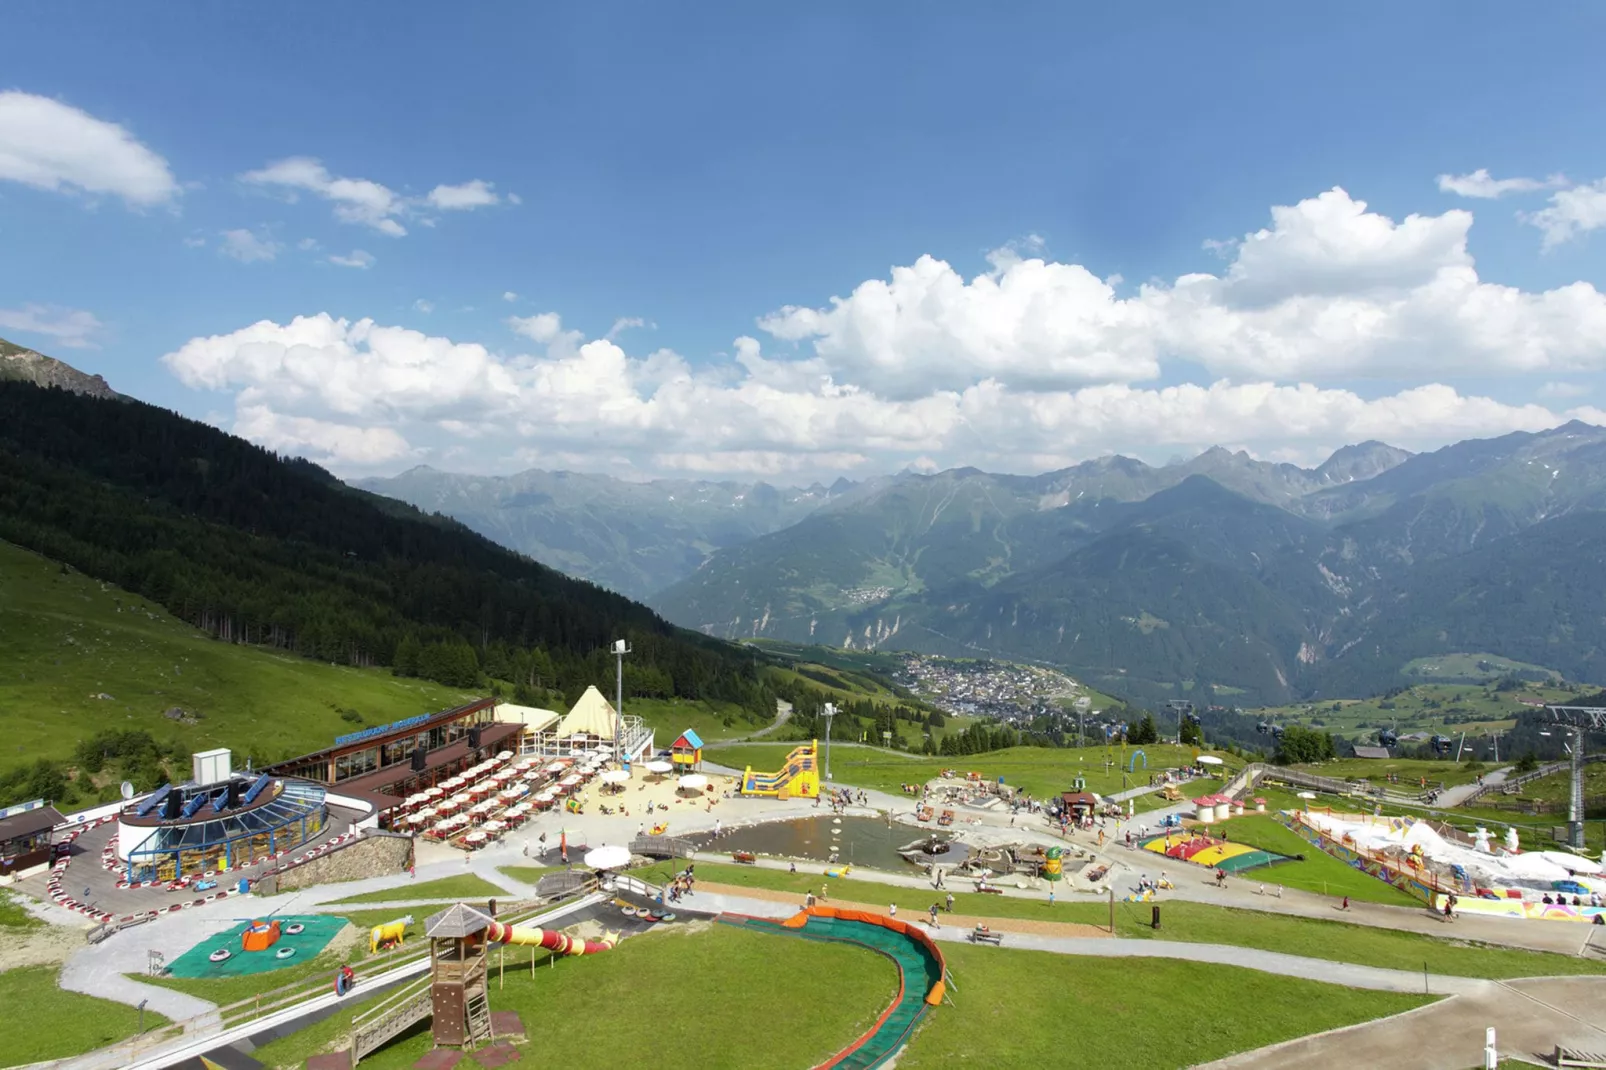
(983, 935)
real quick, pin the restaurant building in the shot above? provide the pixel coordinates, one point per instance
(25, 843)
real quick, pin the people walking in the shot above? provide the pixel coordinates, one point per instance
(950, 902)
(934, 915)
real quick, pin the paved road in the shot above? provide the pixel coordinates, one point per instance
(1529, 1017)
(783, 713)
(1457, 795)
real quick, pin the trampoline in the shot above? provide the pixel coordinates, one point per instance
(315, 933)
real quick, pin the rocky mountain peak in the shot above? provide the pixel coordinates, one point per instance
(25, 365)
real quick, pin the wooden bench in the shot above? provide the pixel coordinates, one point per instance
(986, 936)
(1573, 1057)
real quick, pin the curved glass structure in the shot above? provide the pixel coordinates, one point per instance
(290, 813)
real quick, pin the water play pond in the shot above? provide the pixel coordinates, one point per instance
(859, 841)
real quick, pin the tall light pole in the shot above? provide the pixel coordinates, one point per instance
(828, 712)
(621, 647)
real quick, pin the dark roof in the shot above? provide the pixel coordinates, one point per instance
(1371, 752)
(1078, 798)
(380, 779)
(28, 822)
(380, 738)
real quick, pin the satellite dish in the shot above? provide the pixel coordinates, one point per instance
(127, 789)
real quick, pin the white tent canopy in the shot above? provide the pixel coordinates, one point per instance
(593, 715)
(694, 782)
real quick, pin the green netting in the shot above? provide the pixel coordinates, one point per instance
(1250, 860)
(919, 969)
(196, 962)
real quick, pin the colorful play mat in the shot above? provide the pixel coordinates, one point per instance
(301, 937)
(1202, 850)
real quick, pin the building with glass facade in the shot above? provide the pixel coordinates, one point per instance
(183, 831)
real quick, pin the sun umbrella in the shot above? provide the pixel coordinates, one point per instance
(475, 837)
(557, 767)
(417, 799)
(694, 782)
(615, 776)
(570, 781)
(1209, 759)
(503, 756)
(659, 766)
(493, 826)
(424, 815)
(455, 782)
(607, 857)
(510, 793)
(434, 793)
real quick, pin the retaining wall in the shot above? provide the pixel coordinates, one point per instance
(374, 854)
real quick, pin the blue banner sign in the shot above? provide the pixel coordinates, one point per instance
(379, 730)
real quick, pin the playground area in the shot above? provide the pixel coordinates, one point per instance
(1199, 849)
(258, 946)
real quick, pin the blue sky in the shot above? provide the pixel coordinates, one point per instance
(702, 168)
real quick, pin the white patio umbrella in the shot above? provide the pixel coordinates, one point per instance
(1209, 759)
(434, 793)
(510, 793)
(659, 766)
(570, 781)
(694, 782)
(417, 799)
(557, 767)
(475, 837)
(503, 756)
(615, 776)
(454, 782)
(424, 815)
(607, 857)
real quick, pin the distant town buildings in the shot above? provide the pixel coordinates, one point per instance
(1013, 694)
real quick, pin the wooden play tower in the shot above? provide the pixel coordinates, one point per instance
(459, 998)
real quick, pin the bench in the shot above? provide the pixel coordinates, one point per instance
(984, 936)
(1573, 1057)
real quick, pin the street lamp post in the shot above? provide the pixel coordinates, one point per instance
(828, 712)
(621, 647)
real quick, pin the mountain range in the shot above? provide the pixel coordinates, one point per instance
(1225, 574)
(632, 537)
(1220, 576)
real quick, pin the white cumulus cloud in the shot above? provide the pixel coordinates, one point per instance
(475, 194)
(54, 146)
(248, 246)
(1482, 185)
(357, 258)
(1571, 212)
(72, 328)
(1028, 366)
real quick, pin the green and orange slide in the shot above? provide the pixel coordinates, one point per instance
(921, 973)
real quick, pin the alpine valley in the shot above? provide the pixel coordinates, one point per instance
(1223, 577)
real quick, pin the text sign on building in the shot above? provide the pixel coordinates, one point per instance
(21, 808)
(379, 730)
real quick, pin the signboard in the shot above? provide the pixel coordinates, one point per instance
(21, 808)
(380, 730)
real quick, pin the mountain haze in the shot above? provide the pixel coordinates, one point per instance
(634, 538)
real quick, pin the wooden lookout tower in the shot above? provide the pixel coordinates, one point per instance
(458, 990)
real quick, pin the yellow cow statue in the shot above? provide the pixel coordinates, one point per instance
(389, 934)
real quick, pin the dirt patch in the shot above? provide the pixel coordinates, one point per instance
(948, 921)
(50, 945)
(344, 940)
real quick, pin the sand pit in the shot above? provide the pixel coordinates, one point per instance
(663, 794)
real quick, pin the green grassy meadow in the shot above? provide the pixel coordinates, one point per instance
(1041, 771)
(697, 995)
(43, 1022)
(463, 885)
(69, 638)
(1450, 708)
(1001, 1018)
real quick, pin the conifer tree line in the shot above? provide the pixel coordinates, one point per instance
(258, 548)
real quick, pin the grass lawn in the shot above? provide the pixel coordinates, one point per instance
(1411, 771)
(44, 1022)
(1424, 707)
(226, 990)
(463, 885)
(14, 918)
(1041, 771)
(1199, 923)
(69, 638)
(1011, 1009)
(1319, 872)
(530, 875)
(714, 998)
(670, 717)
